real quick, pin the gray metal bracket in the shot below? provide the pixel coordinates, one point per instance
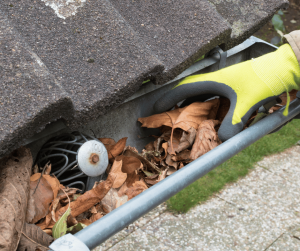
(222, 54)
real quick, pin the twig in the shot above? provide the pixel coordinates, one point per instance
(40, 177)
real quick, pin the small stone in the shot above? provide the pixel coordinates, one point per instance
(91, 60)
(293, 21)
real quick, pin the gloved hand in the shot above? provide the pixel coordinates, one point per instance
(248, 85)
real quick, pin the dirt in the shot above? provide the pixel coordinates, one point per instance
(268, 32)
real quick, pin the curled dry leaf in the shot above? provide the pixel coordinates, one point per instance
(171, 170)
(116, 170)
(206, 139)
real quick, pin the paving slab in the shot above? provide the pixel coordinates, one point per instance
(177, 32)
(259, 212)
(30, 96)
(246, 17)
(90, 49)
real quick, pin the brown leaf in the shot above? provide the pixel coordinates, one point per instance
(165, 147)
(41, 195)
(47, 169)
(182, 156)
(186, 140)
(175, 141)
(33, 238)
(71, 221)
(147, 163)
(131, 179)
(89, 198)
(109, 202)
(117, 149)
(137, 188)
(171, 170)
(123, 189)
(96, 217)
(171, 162)
(206, 139)
(150, 147)
(54, 206)
(152, 180)
(129, 163)
(184, 118)
(116, 170)
(107, 141)
(163, 175)
(15, 171)
(53, 182)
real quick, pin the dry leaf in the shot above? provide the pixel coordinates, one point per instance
(109, 202)
(171, 170)
(15, 171)
(123, 189)
(175, 141)
(147, 163)
(186, 140)
(95, 217)
(107, 141)
(54, 206)
(171, 162)
(182, 156)
(184, 118)
(206, 139)
(71, 221)
(53, 182)
(129, 163)
(150, 147)
(88, 199)
(40, 198)
(117, 149)
(163, 175)
(116, 170)
(33, 238)
(137, 188)
(152, 180)
(131, 179)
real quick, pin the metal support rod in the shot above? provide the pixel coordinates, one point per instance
(121, 217)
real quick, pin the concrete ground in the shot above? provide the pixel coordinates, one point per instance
(259, 212)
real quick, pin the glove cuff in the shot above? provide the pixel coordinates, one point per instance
(293, 39)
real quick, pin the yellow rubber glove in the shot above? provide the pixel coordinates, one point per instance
(248, 85)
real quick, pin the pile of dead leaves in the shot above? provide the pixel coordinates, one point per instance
(186, 134)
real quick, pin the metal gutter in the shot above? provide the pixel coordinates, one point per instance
(107, 226)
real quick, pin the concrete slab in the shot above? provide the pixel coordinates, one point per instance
(30, 96)
(176, 32)
(92, 51)
(246, 17)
